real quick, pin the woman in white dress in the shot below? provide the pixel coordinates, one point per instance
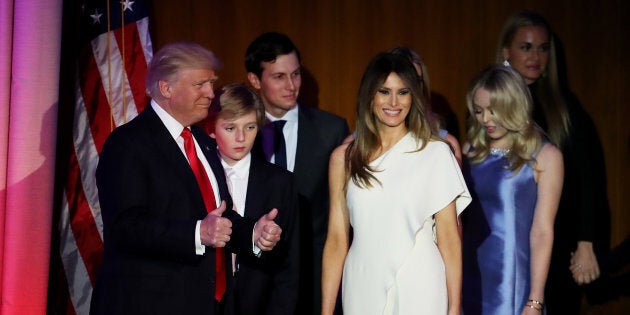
(400, 189)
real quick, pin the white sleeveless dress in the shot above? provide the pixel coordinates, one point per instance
(393, 265)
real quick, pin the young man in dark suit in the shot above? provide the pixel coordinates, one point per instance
(164, 224)
(308, 137)
(269, 284)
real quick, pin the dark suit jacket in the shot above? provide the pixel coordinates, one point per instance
(150, 203)
(319, 133)
(269, 284)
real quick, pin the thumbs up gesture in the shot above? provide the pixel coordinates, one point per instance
(216, 230)
(267, 232)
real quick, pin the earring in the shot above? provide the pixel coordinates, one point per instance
(506, 63)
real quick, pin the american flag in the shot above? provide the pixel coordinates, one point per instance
(110, 90)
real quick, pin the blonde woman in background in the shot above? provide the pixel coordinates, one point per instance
(528, 44)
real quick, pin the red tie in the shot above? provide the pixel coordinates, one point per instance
(209, 201)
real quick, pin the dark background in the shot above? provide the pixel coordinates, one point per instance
(337, 38)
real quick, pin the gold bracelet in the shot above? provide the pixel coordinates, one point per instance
(534, 306)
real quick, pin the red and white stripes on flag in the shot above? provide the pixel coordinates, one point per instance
(110, 91)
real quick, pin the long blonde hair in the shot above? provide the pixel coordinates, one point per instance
(511, 105)
(548, 89)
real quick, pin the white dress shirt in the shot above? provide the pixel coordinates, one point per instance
(237, 176)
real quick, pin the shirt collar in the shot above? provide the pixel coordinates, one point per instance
(241, 168)
(291, 116)
(173, 126)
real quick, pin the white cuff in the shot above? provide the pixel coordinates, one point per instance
(255, 249)
(199, 248)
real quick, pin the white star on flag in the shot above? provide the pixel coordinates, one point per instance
(127, 5)
(96, 17)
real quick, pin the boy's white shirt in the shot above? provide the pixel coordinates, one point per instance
(237, 176)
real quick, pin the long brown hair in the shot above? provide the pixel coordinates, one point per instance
(367, 139)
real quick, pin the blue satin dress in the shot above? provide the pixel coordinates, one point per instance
(496, 227)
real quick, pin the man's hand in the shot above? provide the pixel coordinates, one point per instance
(267, 233)
(216, 230)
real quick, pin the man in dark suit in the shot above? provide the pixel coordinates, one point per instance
(161, 234)
(269, 284)
(309, 135)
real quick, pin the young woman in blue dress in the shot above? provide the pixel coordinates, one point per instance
(515, 177)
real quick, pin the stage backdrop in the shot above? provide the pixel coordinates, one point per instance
(337, 38)
(457, 39)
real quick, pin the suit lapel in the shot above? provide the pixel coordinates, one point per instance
(255, 189)
(164, 145)
(209, 148)
(306, 138)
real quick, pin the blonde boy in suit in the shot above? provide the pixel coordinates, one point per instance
(267, 284)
